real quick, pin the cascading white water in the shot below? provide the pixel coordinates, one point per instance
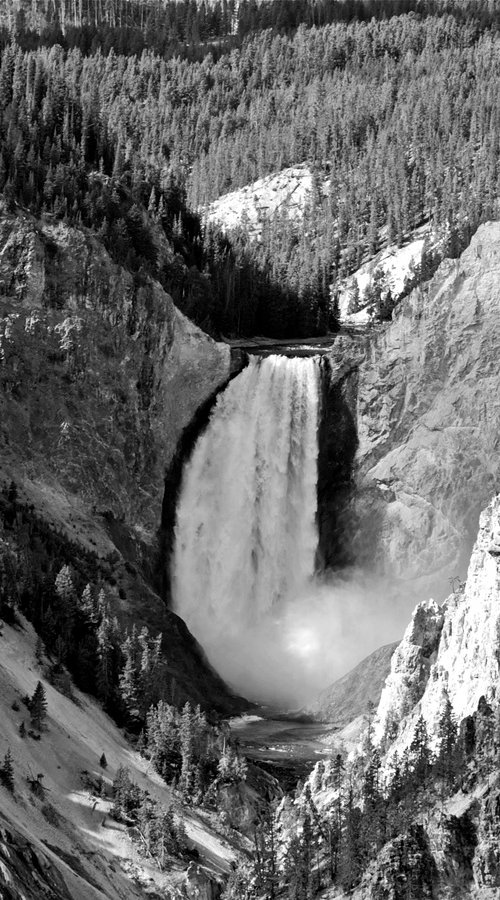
(246, 534)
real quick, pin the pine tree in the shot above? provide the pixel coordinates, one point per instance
(485, 734)
(88, 605)
(103, 761)
(354, 304)
(352, 856)
(129, 679)
(127, 794)
(7, 772)
(162, 739)
(186, 736)
(65, 589)
(447, 739)
(420, 753)
(105, 649)
(66, 607)
(38, 707)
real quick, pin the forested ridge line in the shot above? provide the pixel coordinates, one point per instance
(170, 27)
(397, 117)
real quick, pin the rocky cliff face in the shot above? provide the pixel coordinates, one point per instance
(99, 376)
(349, 696)
(410, 666)
(337, 444)
(100, 371)
(450, 652)
(448, 846)
(428, 420)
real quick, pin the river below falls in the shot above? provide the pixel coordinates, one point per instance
(287, 748)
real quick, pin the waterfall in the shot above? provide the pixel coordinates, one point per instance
(246, 533)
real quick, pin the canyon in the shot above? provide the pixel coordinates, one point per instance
(104, 378)
(107, 392)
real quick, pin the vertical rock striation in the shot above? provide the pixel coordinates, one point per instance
(100, 372)
(427, 417)
(337, 445)
(449, 652)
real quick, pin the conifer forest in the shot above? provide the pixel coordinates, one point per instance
(198, 524)
(127, 117)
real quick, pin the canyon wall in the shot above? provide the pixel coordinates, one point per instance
(99, 376)
(428, 421)
(449, 652)
(100, 372)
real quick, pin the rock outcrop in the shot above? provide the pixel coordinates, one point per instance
(486, 864)
(410, 666)
(337, 445)
(100, 372)
(99, 376)
(428, 421)
(348, 697)
(451, 652)
(286, 193)
(403, 868)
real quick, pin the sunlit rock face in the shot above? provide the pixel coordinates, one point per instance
(410, 665)
(462, 642)
(428, 421)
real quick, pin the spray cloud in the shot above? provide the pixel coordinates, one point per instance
(246, 538)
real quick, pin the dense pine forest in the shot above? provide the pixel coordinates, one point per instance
(129, 117)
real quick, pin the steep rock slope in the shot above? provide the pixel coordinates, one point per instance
(448, 846)
(64, 845)
(99, 375)
(348, 697)
(428, 421)
(453, 652)
(397, 265)
(100, 371)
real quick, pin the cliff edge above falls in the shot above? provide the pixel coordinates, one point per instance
(453, 651)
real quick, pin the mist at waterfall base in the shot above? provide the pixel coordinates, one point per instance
(246, 539)
(286, 658)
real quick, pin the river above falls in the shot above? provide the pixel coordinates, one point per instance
(315, 346)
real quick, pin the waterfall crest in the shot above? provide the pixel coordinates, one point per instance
(246, 534)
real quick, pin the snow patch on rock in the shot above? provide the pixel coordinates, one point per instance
(397, 264)
(287, 193)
